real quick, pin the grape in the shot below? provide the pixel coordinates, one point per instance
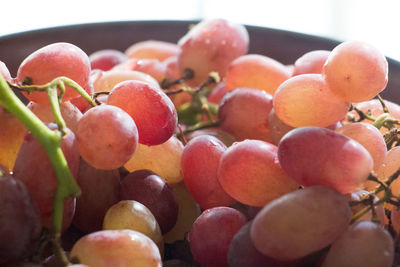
(209, 242)
(256, 71)
(70, 113)
(250, 172)
(34, 168)
(106, 59)
(152, 49)
(102, 148)
(277, 128)
(379, 210)
(20, 225)
(356, 71)
(305, 100)
(200, 161)
(151, 109)
(187, 214)
(52, 61)
(164, 160)
(81, 103)
(152, 67)
(300, 223)
(243, 253)
(152, 191)
(319, 156)
(217, 93)
(5, 72)
(389, 166)
(254, 104)
(368, 136)
(363, 244)
(130, 214)
(220, 134)
(311, 62)
(374, 107)
(100, 190)
(12, 133)
(109, 79)
(211, 46)
(116, 248)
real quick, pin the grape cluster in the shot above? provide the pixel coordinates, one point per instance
(196, 153)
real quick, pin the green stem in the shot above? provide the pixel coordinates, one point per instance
(55, 106)
(51, 142)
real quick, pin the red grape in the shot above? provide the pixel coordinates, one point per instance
(153, 112)
(300, 223)
(200, 161)
(20, 225)
(152, 191)
(100, 190)
(106, 59)
(319, 156)
(212, 233)
(254, 104)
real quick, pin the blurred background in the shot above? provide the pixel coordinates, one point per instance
(368, 20)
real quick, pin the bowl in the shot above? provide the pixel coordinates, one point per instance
(284, 46)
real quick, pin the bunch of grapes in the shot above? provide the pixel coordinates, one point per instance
(196, 153)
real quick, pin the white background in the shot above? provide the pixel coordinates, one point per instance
(374, 21)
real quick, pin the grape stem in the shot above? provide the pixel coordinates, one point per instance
(387, 197)
(51, 143)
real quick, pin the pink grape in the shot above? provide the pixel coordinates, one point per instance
(34, 168)
(211, 46)
(109, 79)
(209, 242)
(356, 71)
(152, 49)
(116, 248)
(150, 108)
(311, 62)
(250, 172)
(254, 104)
(106, 59)
(70, 113)
(256, 71)
(200, 161)
(319, 156)
(368, 136)
(363, 244)
(301, 222)
(52, 61)
(102, 148)
(305, 100)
